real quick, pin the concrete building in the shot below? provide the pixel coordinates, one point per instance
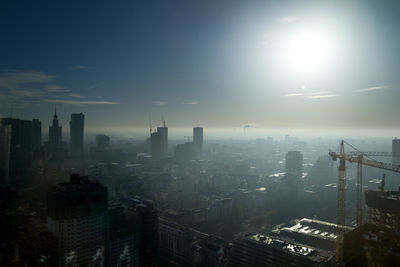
(156, 145)
(198, 140)
(36, 134)
(16, 151)
(294, 163)
(256, 249)
(164, 139)
(102, 141)
(55, 147)
(123, 242)
(76, 134)
(77, 218)
(396, 151)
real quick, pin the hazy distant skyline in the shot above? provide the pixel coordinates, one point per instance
(235, 64)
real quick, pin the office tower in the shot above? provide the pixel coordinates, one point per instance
(149, 237)
(185, 152)
(77, 218)
(124, 238)
(36, 134)
(15, 151)
(396, 151)
(294, 163)
(76, 134)
(156, 145)
(198, 140)
(102, 141)
(164, 139)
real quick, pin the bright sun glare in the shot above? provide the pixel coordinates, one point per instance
(307, 51)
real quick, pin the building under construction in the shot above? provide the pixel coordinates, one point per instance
(384, 208)
(376, 243)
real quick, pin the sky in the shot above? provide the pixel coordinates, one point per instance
(217, 64)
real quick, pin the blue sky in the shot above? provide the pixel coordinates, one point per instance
(210, 63)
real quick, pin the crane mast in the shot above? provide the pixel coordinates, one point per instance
(359, 158)
(341, 209)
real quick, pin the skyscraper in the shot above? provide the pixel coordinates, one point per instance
(55, 137)
(294, 163)
(156, 145)
(77, 218)
(16, 149)
(396, 151)
(36, 134)
(76, 134)
(164, 139)
(198, 140)
(102, 141)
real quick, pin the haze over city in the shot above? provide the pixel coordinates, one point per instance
(215, 133)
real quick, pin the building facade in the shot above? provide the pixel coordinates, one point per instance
(76, 134)
(77, 218)
(198, 140)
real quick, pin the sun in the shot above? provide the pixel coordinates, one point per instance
(307, 51)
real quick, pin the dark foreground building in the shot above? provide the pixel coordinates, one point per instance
(255, 249)
(77, 218)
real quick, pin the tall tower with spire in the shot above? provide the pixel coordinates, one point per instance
(55, 136)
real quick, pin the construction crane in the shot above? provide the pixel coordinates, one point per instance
(361, 158)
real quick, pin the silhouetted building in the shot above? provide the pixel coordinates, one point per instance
(36, 134)
(164, 139)
(102, 141)
(76, 134)
(198, 140)
(148, 229)
(124, 239)
(55, 147)
(371, 245)
(185, 152)
(396, 151)
(16, 147)
(156, 145)
(294, 163)
(77, 217)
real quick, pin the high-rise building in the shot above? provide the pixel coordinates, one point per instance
(102, 141)
(149, 237)
(16, 147)
(156, 145)
(77, 218)
(55, 144)
(36, 134)
(124, 238)
(198, 140)
(294, 163)
(396, 151)
(76, 134)
(164, 139)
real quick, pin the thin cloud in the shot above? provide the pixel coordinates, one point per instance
(320, 96)
(13, 79)
(29, 93)
(191, 103)
(318, 93)
(81, 67)
(369, 89)
(159, 103)
(78, 102)
(77, 96)
(287, 19)
(55, 88)
(294, 94)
